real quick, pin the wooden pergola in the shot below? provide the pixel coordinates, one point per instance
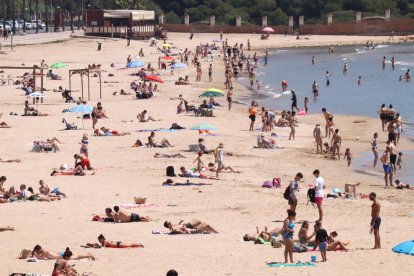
(86, 72)
(34, 69)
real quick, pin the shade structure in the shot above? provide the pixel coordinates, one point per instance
(134, 64)
(405, 248)
(59, 64)
(214, 90)
(81, 108)
(209, 94)
(268, 30)
(36, 94)
(178, 66)
(154, 78)
(168, 58)
(203, 126)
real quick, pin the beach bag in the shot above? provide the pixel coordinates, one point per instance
(311, 195)
(170, 171)
(286, 194)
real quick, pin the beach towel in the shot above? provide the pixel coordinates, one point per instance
(157, 130)
(275, 264)
(133, 205)
(185, 184)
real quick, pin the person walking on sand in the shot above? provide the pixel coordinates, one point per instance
(388, 173)
(219, 159)
(287, 235)
(293, 191)
(375, 219)
(229, 98)
(319, 186)
(336, 144)
(210, 73)
(326, 115)
(252, 116)
(317, 134)
(374, 148)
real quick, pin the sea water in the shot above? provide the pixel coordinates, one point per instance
(343, 95)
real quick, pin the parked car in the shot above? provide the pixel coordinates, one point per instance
(38, 22)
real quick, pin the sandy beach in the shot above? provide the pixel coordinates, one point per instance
(233, 205)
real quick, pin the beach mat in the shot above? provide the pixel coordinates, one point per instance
(275, 264)
(133, 205)
(186, 184)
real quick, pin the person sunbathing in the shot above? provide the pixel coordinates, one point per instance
(336, 245)
(261, 237)
(144, 117)
(181, 81)
(195, 226)
(78, 171)
(212, 168)
(8, 228)
(10, 161)
(118, 244)
(264, 143)
(62, 267)
(42, 254)
(120, 216)
(168, 155)
(108, 132)
(49, 145)
(163, 144)
(170, 182)
(45, 190)
(32, 196)
(399, 185)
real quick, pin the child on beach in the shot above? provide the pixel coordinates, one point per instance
(321, 240)
(84, 143)
(348, 156)
(199, 162)
(399, 160)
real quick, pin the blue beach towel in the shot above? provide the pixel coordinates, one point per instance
(290, 265)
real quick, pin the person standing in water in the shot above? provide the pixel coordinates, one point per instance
(383, 63)
(313, 60)
(393, 63)
(266, 57)
(315, 88)
(374, 148)
(328, 75)
(345, 69)
(359, 80)
(294, 101)
(306, 105)
(375, 219)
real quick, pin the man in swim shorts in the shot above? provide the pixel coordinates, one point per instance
(84, 161)
(121, 216)
(375, 219)
(393, 155)
(388, 173)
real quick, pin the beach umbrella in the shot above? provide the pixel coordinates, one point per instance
(81, 108)
(36, 94)
(154, 78)
(134, 64)
(59, 64)
(166, 45)
(203, 126)
(167, 58)
(405, 248)
(209, 94)
(268, 30)
(178, 65)
(214, 90)
(152, 38)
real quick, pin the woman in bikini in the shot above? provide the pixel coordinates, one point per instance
(111, 244)
(78, 171)
(62, 268)
(304, 238)
(336, 245)
(43, 254)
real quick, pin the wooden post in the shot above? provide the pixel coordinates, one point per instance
(41, 83)
(82, 83)
(70, 81)
(100, 85)
(89, 87)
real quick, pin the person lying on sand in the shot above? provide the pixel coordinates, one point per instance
(78, 171)
(108, 132)
(189, 173)
(122, 92)
(118, 244)
(336, 245)
(263, 236)
(45, 190)
(168, 155)
(144, 117)
(42, 254)
(8, 228)
(29, 194)
(10, 161)
(170, 182)
(399, 185)
(195, 226)
(212, 168)
(122, 217)
(163, 144)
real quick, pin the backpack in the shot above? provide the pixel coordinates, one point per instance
(170, 171)
(286, 194)
(311, 195)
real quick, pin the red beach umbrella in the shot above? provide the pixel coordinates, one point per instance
(167, 58)
(154, 78)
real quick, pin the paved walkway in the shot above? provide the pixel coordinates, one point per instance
(39, 38)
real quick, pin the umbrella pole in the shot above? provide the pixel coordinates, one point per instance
(83, 127)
